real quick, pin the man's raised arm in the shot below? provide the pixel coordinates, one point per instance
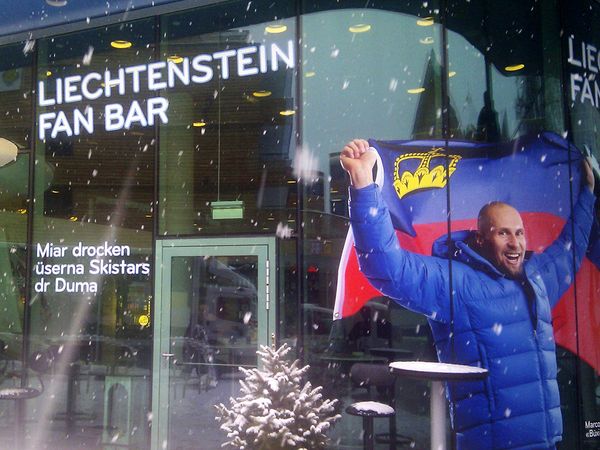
(556, 262)
(417, 282)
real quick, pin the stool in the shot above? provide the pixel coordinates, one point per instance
(368, 411)
(380, 377)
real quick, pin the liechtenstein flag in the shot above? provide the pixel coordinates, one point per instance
(531, 173)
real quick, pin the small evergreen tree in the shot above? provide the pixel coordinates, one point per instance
(275, 411)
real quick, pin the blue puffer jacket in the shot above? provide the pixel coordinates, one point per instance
(499, 323)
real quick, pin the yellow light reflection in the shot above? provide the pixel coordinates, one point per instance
(425, 22)
(451, 74)
(287, 112)
(360, 28)
(120, 44)
(276, 29)
(416, 90)
(514, 68)
(310, 74)
(200, 123)
(261, 94)
(73, 218)
(175, 59)
(143, 320)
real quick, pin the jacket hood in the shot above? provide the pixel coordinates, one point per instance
(459, 250)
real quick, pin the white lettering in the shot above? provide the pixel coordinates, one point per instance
(85, 86)
(287, 58)
(181, 71)
(71, 89)
(262, 56)
(135, 115)
(135, 78)
(87, 120)
(575, 78)
(45, 124)
(109, 82)
(157, 107)
(154, 75)
(113, 117)
(242, 62)
(199, 67)
(61, 125)
(42, 100)
(224, 56)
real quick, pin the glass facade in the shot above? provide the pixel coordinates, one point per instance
(171, 198)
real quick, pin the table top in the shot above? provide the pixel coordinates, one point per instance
(438, 371)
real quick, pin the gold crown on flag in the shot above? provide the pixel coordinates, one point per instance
(424, 177)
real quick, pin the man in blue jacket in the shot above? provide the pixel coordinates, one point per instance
(503, 298)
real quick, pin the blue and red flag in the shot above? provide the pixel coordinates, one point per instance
(531, 173)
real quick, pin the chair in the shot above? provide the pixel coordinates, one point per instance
(379, 377)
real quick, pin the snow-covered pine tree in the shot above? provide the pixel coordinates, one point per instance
(275, 411)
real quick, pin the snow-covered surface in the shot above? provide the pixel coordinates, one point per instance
(427, 367)
(375, 407)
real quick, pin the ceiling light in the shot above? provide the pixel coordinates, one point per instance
(261, 94)
(48, 73)
(416, 90)
(120, 44)
(57, 3)
(514, 68)
(73, 218)
(175, 59)
(287, 112)
(22, 211)
(276, 29)
(427, 40)
(200, 123)
(425, 22)
(360, 28)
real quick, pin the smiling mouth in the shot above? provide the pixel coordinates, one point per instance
(513, 257)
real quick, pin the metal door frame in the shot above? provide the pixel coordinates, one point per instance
(261, 246)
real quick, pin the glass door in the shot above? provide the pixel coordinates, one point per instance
(212, 312)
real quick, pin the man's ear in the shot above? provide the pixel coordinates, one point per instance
(479, 239)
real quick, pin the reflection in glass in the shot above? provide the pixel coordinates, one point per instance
(225, 155)
(92, 240)
(214, 329)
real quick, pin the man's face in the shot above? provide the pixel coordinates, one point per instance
(501, 238)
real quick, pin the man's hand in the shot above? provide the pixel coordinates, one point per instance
(358, 161)
(589, 174)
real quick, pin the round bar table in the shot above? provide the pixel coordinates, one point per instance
(437, 373)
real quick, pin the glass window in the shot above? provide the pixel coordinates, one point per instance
(225, 154)
(366, 73)
(504, 78)
(94, 175)
(15, 128)
(580, 362)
